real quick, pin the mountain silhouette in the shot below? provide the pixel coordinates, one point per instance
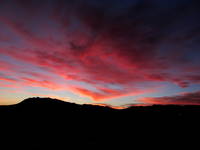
(43, 123)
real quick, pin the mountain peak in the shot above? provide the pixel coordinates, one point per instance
(34, 100)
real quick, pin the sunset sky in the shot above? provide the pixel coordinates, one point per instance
(113, 52)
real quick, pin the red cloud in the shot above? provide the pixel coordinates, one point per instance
(42, 83)
(7, 79)
(94, 95)
(103, 94)
(5, 65)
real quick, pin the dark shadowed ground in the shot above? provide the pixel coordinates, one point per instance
(46, 123)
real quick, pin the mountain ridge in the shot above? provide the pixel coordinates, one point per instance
(47, 100)
(45, 123)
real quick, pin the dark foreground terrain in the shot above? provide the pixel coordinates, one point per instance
(46, 123)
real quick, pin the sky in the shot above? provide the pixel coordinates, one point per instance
(118, 52)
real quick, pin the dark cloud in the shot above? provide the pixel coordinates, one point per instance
(192, 98)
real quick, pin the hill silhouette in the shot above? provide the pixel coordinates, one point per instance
(43, 123)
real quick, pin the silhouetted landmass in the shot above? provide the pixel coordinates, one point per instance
(43, 123)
